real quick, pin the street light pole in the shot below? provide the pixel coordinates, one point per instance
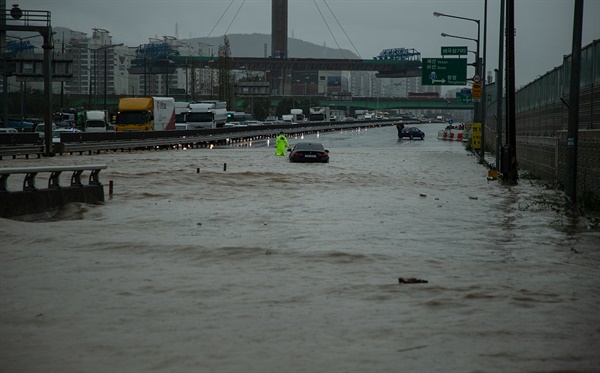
(436, 14)
(23, 86)
(573, 124)
(89, 88)
(95, 71)
(211, 78)
(478, 71)
(145, 75)
(499, 89)
(106, 47)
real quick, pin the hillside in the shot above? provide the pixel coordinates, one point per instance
(243, 45)
(253, 45)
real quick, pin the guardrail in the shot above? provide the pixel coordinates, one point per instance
(19, 138)
(82, 142)
(33, 200)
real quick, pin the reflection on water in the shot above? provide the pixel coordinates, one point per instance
(269, 265)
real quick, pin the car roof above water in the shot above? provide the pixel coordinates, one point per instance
(309, 146)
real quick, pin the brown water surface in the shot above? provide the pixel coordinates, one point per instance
(272, 266)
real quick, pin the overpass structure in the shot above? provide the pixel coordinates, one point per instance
(384, 68)
(376, 104)
(391, 63)
(280, 69)
(371, 103)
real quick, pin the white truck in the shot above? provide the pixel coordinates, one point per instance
(298, 115)
(181, 110)
(337, 116)
(206, 114)
(95, 121)
(319, 114)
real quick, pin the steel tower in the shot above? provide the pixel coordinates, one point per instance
(279, 28)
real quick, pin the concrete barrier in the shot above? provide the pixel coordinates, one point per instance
(34, 201)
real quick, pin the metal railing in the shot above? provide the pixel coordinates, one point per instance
(30, 18)
(54, 178)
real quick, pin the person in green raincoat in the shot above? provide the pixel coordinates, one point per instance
(282, 144)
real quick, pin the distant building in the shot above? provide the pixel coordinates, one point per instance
(102, 68)
(99, 66)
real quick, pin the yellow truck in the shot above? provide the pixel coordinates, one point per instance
(145, 114)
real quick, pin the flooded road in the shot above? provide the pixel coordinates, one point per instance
(234, 260)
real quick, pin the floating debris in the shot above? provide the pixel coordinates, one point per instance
(411, 280)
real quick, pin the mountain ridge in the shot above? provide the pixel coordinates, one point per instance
(245, 45)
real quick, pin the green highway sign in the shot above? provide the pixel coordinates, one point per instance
(454, 51)
(444, 71)
(464, 97)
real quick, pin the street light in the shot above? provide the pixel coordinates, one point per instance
(305, 82)
(106, 47)
(168, 66)
(465, 38)
(436, 14)
(22, 47)
(210, 62)
(478, 70)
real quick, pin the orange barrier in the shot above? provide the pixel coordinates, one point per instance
(452, 135)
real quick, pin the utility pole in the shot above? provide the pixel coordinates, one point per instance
(499, 85)
(62, 83)
(573, 129)
(509, 155)
(482, 66)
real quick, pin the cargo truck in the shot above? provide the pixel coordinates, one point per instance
(359, 114)
(337, 116)
(319, 114)
(206, 114)
(181, 110)
(95, 121)
(298, 115)
(145, 114)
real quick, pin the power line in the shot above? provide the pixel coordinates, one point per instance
(326, 24)
(220, 18)
(339, 24)
(235, 16)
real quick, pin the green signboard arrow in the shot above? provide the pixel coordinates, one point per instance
(444, 71)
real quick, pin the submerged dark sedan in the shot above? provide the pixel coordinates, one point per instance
(309, 152)
(411, 133)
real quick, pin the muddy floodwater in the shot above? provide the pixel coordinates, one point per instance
(234, 260)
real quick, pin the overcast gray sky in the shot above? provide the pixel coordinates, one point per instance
(543, 27)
